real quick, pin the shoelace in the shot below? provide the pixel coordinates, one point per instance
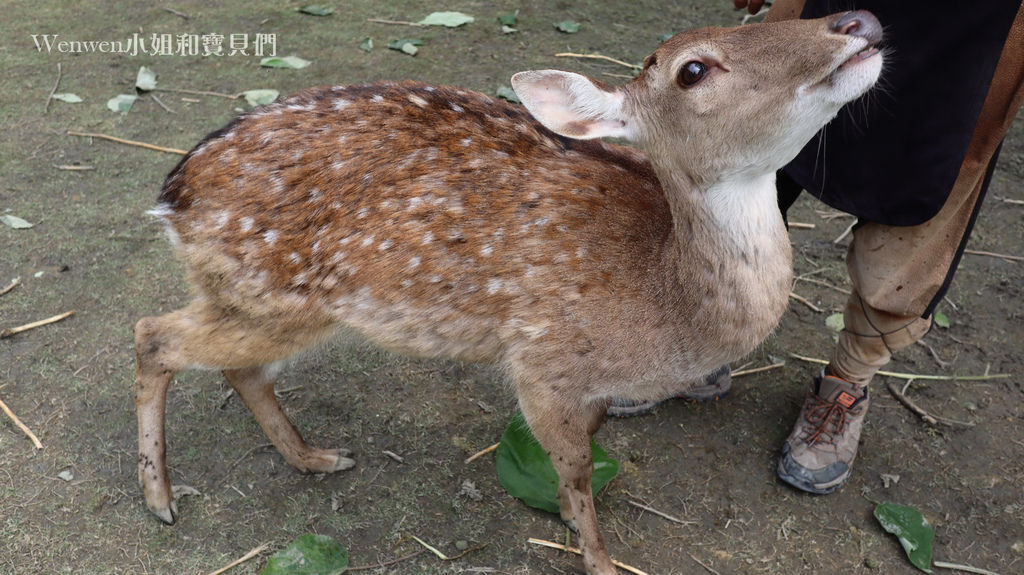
(827, 418)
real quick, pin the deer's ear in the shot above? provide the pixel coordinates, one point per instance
(573, 105)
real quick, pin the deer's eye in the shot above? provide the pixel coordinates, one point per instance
(691, 73)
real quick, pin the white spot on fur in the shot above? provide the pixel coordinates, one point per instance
(385, 245)
(466, 142)
(245, 224)
(457, 108)
(428, 237)
(340, 103)
(414, 262)
(494, 285)
(377, 98)
(407, 284)
(270, 236)
(366, 242)
(294, 257)
(418, 101)
(362, 213)
(486, 250)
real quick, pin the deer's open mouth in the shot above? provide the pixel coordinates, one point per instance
(860, 56)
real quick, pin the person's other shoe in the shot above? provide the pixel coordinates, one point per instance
(818, 455)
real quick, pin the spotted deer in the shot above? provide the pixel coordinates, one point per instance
(439, 222)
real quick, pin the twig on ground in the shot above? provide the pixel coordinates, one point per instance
(199, 93)
(802, 225)
(935, 355)
(821, 283)
(394, 456)
(805, 301)
(14, 283)
(597, 57)
(739, 373)
(967, 568)
(176, 13)
(702, 564)
(481, 453)
(388, 563)
(16, 330)
(575, 551)
(127, 142)
(161, 104)
(660, 514)
(397, 22)
(241, 559)
(24, 428)
(444, 557)
(73, 168)
(898, 375)
(924, 415)
(1011, 201)
(845, 233)
(53, 91)
(995, 255)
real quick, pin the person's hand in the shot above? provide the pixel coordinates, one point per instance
(752, 6)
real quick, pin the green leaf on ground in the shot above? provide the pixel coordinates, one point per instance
(145, 80)
(912, 529)
(506, 93)
(942, 320)
(121, 103)
(67, 97)
(509, 19)
(292, 62)
(835, 322)
(567, 26)
(526, 473)
(366, 45)
(309, 554)
(316, 10)
(260, 97)
(449, 19)
(407, 45)
(15, 222)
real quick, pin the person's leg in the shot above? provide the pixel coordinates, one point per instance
(899, 275)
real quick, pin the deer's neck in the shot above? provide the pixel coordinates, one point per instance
(729, 259)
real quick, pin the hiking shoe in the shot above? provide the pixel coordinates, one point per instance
(716, 386)
(818, 455)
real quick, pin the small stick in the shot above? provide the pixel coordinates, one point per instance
(394, 456)
(198, 93)
(576, 551)
(21, 426)
(71, 168)
(14, 283)
(387, 563)
(699, 562)
(995, 255)
(54, 90)
(805, 301)
(161, 104)
(398, 22)
(924, 415)
(845, 233)
(127, 142)
(967, 568)
(757, 369)
(822, 283)
(481, 453)
(1012, 201)
(444, 557)
(898, 375)
(16, 330)
(176, 13)
(242, 559)
(802, 226)
(660, 514)
(597, 57)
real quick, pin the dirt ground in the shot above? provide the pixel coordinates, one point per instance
(74, 506)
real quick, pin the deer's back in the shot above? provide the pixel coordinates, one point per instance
(380, 204)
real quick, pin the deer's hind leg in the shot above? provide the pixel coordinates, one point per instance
(202, 335)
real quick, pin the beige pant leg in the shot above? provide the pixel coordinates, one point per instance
(897, 271)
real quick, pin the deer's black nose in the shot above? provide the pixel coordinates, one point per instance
(859, 23)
